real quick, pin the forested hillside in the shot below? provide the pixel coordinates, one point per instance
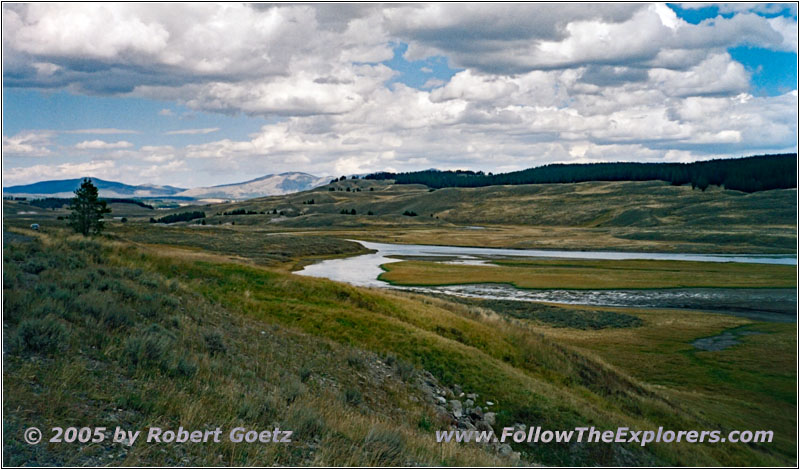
(749, 174)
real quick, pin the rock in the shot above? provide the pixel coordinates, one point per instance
(465, 424)
(469, 403)
(476, 413)
(489, 403)
(455, 406)
(484, 426)
(457, 389)
(441, 400)
(519, 427)
(515, 456)
(489, 418)
(505, 450)
(443, 415)
(472, 396)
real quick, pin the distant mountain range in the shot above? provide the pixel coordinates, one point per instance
(269, 185)
(65, 188)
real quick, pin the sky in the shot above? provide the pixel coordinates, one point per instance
(200, 94)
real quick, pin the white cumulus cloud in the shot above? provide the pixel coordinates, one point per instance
(28, 144)
(535, 83)
(102, 145)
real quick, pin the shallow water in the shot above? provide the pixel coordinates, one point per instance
(758, 304)
(762, 304)
(722, 341)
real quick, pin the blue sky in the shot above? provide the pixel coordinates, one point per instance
(421, 74)
(146, 121)
(330, 90)
(772, 72)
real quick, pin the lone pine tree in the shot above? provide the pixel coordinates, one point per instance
(87, 209)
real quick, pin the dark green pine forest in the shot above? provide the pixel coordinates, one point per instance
(749, 174)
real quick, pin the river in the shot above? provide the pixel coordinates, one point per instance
(761, 304)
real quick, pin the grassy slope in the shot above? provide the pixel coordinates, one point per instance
(587, 274)
(265, 248)
(94, 336)
(535, 380)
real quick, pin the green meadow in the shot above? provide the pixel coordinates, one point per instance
(591, 274)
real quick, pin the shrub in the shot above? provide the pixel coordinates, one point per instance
(305, 422)
(34, 266)
(257, 409)
(353, 396)
(15, 305)
(136, 401)
(186, 367)
(425, 423)
(214, 343)
(150, 349)
(390, 359)
(93, 304)
(291, 390)
(118, 317)
(355, 361)
(41, 335)
(405, 370)
(175, 322)
(384, 448)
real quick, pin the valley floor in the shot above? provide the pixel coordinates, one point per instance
(205, 325)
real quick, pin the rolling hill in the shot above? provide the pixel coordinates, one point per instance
(640, 215)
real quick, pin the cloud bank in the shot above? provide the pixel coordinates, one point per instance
(535, 83)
